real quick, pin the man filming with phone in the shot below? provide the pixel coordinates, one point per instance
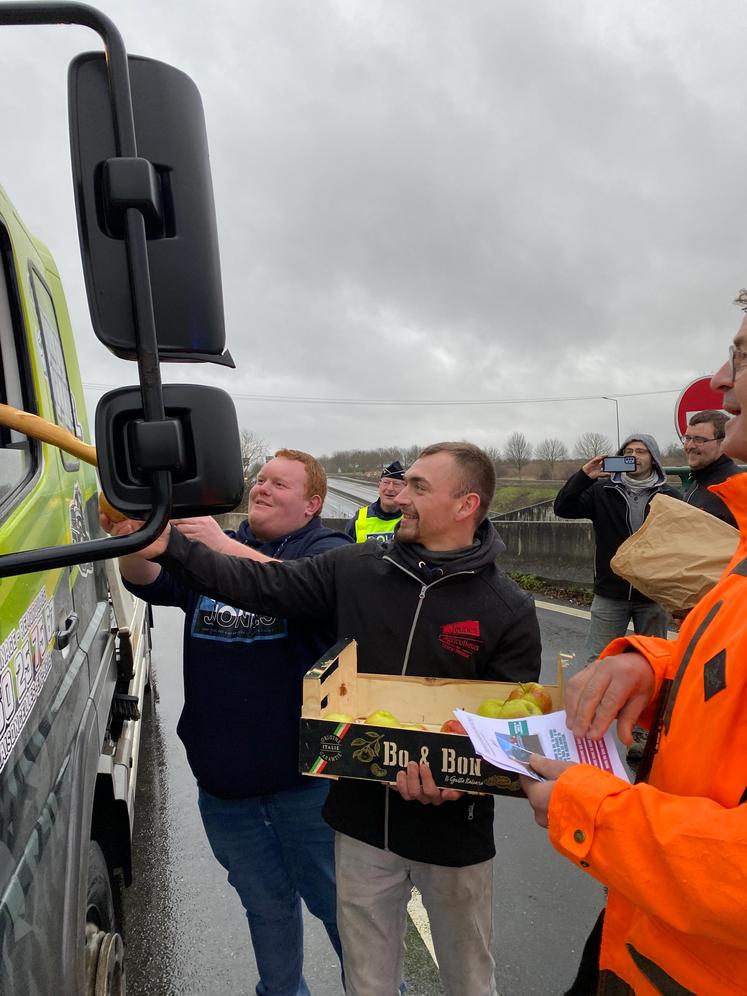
(617, 500)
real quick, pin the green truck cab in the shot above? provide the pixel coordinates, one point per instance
(74, 645)
(74, 659)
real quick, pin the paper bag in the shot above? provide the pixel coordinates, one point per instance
(677, 555)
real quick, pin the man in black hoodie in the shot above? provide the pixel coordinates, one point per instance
(708, 465)
(401, 601)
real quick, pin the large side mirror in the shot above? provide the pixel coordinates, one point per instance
(170, 182)
(200, 438)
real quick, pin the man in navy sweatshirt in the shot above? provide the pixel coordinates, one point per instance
(243, 674)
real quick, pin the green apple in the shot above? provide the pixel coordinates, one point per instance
(490, 708)
(519, 709)
(338, 717)
(382, 717)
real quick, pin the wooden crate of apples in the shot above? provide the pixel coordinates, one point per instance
(370, 725)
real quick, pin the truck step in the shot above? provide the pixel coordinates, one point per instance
(125, 658)
(124, 707)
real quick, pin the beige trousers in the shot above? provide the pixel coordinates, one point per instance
(373, 889)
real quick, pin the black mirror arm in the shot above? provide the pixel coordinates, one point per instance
(124, 133)
(89, 17)
(30, 561)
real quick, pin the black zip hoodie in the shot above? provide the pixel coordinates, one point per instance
(604, 501)
(400, 603)
(697, 491)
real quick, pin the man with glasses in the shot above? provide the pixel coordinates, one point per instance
(708, 465)
(376, 522)
(617, 504)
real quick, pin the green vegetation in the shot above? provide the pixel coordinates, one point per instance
(511, 496)
(575, 594)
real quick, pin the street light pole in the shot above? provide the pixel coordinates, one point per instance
(617, 416)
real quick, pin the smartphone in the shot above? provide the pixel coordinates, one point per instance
(611, 465)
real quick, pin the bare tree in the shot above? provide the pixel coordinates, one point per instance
(550, 451)
(518, 451)
(675, 452)
(591, 444)
(253, 453)
(494, 454)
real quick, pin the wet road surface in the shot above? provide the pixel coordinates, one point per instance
(185, 929)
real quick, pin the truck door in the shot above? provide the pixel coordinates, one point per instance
(44, 681)
(89, 626)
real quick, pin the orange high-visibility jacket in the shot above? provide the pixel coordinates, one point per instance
(673, 851)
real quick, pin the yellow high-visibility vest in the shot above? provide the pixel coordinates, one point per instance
(370, 528)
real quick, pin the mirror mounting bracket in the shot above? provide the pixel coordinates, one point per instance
(157, 445)
(132, 182)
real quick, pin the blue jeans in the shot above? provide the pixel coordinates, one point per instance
(277, 850)
(610, 618)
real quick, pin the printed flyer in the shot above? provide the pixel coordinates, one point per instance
(508, 743)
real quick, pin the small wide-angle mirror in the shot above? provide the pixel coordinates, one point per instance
(198, 442)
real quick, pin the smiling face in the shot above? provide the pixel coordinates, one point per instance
(278, 503)
(734, 386)
(389, 488)
(701, 455)
(435, 511)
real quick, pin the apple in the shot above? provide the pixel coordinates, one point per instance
(338, 717)
(382, 717)
(453, 726)
(535, 692)
(490, 708)
(519, 709)
(413, 726)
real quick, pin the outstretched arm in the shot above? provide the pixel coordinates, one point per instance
(305, 587)
(204, 529)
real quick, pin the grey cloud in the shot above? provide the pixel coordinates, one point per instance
(439, 200)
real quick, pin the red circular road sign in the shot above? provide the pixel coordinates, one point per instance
(696, 397)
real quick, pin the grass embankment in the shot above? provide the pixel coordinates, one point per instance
(511, 496)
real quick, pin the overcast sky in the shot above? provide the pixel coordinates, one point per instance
(432, 201)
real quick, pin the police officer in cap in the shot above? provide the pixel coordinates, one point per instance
(378, 520)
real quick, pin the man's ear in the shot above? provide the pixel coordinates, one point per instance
(313, 506)
(468, 505)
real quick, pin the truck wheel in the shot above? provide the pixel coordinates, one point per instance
(104, 948)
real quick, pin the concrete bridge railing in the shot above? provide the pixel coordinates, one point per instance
(558, 550)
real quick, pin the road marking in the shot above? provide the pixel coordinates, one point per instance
(565, 609)
(419, 918)
(584, 614)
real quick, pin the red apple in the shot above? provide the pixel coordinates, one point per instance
(453, 726)
(534, 692)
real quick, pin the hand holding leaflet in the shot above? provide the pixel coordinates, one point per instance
(508, 743)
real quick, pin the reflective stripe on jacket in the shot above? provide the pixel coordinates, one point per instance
(370, 528)
(673, 852)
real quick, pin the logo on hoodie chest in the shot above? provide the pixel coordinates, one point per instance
(214, 620)
(461, 638)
